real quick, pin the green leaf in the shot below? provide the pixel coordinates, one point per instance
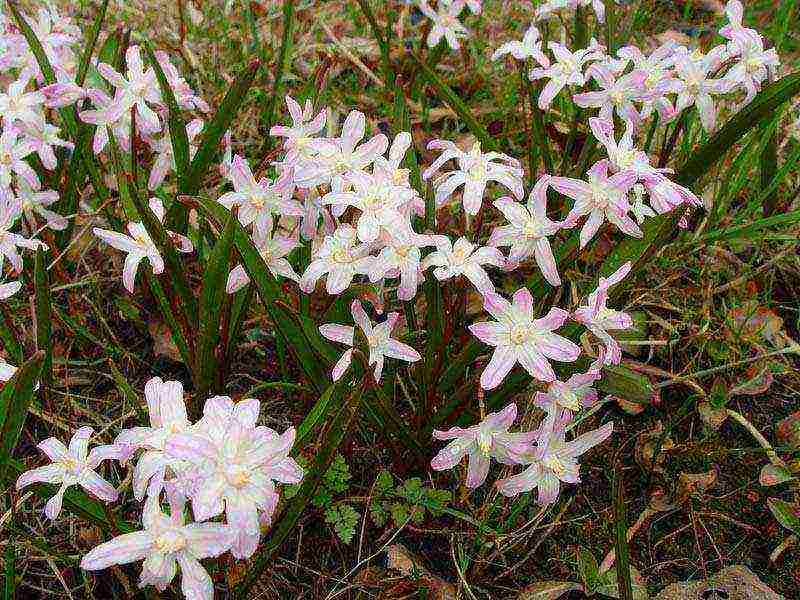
(324, 457)
(317, 413)
(15, 399)
(44, 342)
(212, 299)
(588, 569)
(286, 323)
(177, 126)
(284, 58)
(608, 585)
(88, 47)
(215, 129)
(344, 520)
(453, 101)
(623, 571)
(9, 572)
(786, 514)
(659, 229)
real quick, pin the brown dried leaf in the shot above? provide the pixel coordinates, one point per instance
(788, 431)
(402, 560)
(758, 381)
(549, 590)
(711, 416)
(736, 583)
(647, 446)
(163, 345)
(696, 484)
(759, 323)
(773, 475)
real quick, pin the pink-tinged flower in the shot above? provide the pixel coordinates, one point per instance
(305, 125)
(698, 86)
(239, 465)
(445, 23)
(565, 8)
(184, 94)
(167, 411)
(10, 210)
(482, 442)
(273, 250)
(13, 151)
(340, 258)
(378, 337)
(227, 154)
(137, 88)
(164, 161)
(390, 168)
(567, 70)
(7, 290)
(529, 47)
(63, 93)
(313, 210)
(41, 137)
(602, 198)
(259, 200)
(734, 30)
(519, 338)
(599, 319)
(70, 466)
(7, 370)
(753, 63)
(473, 5)
(17, 105)
(107, 118)
(563, 398)
(32, 203)
(660, 79)
(333, 159)
(138, 245)
(165, 543)
(665, 195)
(552, 461)
(57, 35)
(463, 258)
(378, 201)
(401, 257)
(528, 230)
(616, 94)
(475, 170)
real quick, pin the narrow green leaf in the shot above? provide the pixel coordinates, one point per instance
(286, 323)
(9, 572)
(448, 96)
(284, 58)
(785, 513)
(215, 129)
(321, 407)
(753, 229)
(44, 342)
(15, 399)
(212, 299)
(768, 163)
(324, 457)
(624, 583)
(383, 44)
(659, 229)
(88, 46)
(177, 125)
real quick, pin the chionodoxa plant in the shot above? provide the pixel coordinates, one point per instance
(340, 213)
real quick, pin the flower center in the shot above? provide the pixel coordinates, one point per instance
(71, 465)
(237, 476)
(169, 542)
(555, 465)
(6, 159)
(532, 229)
(519, 334)
(341, 256)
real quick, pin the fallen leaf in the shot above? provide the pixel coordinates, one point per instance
(786, 513)
(759, 381)
(549, 590)
(163, 345)
(712, 416)
(774, 475)
(400, 559)
(609, 586)
(788, 431)
(735, 583)
(759, 322)
(650, 448)
(696, 484)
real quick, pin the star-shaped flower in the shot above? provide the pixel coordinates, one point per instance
(340, 258)
(519, 338)
(463, 258)
(378, 337)
(274, 250)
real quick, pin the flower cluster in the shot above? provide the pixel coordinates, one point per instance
(224, 465)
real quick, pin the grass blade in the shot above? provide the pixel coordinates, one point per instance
(215, 129)
(448, 96)
(44, 342)
(333, 438)
(15, 399)
(624, 584)
(768, 163)
(9, 573)
(212, 300)
(284, 56)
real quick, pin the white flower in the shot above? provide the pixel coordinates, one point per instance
(164, 161)
(165, 543)
(463, 258)
(18, 105)
(567, 70)
(10, 210)
(70, 466)
(445, 23)
(378, 338)
(13, 151)
(304, 127)
(41, 137)
(529, 47)
(31, 202)
(340, 258)
(138, 245)
(519, 338)
(475, 170)
(138, 88)
(273, 249)
(401, 256)
(698, 87)
(528, 230)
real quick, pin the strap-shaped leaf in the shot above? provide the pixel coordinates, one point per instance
(286, 323)
(284, 58)
(88, 47)
(212, 301)
(215, 129)
(177, 125)
(324, 457)
(659, 229)
(15, 400)
(44, 342)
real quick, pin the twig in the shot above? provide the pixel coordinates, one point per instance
(762, 441)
